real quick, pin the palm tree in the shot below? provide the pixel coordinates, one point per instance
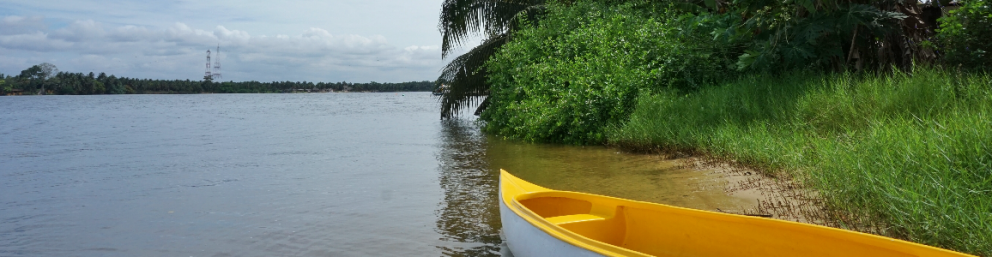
(464, 75)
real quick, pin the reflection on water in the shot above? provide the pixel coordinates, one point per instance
(469, 213)
(469, 164)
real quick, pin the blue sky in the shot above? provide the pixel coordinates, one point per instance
(295, 40)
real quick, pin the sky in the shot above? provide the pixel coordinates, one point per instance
(288, 40)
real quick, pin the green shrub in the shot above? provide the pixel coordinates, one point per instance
(912, 153)
(965, 35)
(581, 68)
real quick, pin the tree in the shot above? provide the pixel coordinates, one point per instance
(4, 87)
(114, 86)
(495, 19)
(47, 71)
(965, 34)
(824, 34)
(34, 72)
(34, 77)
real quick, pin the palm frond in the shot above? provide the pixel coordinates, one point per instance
(461, 18)
(465, 77)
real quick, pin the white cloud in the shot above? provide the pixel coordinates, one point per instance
(131, 33)
(231, 36)
(12, 25)
(182, 34)
(178, 51)
(85, 30)
(37, 41)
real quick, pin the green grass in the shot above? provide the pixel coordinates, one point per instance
(912, 154)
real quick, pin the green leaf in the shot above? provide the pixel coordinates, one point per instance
(711, 4)
(808, 4)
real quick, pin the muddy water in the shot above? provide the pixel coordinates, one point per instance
(606, 171)
(470, 163)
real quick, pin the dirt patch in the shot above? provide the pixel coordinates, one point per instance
(778, 197)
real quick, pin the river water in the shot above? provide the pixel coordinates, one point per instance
(283, 175)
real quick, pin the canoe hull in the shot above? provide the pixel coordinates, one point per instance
(526, 240)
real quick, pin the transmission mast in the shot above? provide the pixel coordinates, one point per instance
(207, 74)
(216, 74)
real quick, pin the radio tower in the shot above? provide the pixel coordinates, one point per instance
(216, 74)
(206, 74)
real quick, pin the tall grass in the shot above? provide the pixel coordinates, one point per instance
(909, 153)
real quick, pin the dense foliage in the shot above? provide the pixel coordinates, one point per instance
(822, 34)
(31, 81)
(966, 34)
(763, 35)
(576, 71)
(582, 66)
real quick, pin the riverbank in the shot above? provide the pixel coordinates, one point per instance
(793, 91)
(297, 91)
(776, 196)
(902, 155)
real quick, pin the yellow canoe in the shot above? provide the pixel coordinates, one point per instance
(543, 222)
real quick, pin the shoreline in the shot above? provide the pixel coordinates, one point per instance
(181, 93)
(777, 197)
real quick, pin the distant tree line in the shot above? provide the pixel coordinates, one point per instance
(46, 79)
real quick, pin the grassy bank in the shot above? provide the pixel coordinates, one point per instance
(911, 154)
(908, 156)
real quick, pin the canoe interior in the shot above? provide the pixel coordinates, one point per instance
(576, 216)
(670, 233)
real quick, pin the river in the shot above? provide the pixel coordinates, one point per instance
(350, 174)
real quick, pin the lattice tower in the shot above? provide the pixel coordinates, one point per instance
(207, 74)
(216, 74)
